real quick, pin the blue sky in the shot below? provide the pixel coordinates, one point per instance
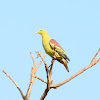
(75, 24)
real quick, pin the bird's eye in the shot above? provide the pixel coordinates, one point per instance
(40, 30)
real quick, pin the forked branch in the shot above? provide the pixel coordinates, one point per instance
(34, 69)
(67, 80)
(79, 72)
(49, 74)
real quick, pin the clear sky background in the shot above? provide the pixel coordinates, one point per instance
(75, 24)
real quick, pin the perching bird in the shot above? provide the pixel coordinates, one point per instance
(50, 45)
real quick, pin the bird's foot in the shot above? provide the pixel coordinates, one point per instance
(54, 57)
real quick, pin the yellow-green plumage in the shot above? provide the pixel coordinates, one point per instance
(49, 44)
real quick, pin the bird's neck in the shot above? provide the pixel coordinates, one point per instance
(46, 37)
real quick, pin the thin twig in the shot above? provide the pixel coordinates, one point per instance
(46, 67)
(42, 58)
(96, 61)
(22, 94)
(40, 79)
(50, 73)
(95, 55)
(40, 62)
(33, 59)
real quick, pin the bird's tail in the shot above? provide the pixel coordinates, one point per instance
(66, 66)
(63, 61)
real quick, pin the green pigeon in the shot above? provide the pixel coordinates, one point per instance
(50, 45)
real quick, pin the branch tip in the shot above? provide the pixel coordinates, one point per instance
(95, 56)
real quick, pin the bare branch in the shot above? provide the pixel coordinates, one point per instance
(27, 96)
(33, 59)
(40, 79)
(48, 79)
(31, 84)
(42, 59)
(40, 62)
(44, 94)
(96, 61)
(78, 73)
(22, 94)
(31, 78)
(50, 73)
(95, 55)
(46, 67)
(33, 75)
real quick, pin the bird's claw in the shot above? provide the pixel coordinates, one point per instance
(54, 57)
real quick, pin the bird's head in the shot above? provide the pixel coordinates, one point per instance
(42, 31)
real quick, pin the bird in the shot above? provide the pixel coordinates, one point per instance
(51, 46)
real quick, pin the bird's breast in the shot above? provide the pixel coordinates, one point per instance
(47, 47)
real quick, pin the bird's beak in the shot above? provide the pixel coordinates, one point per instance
(37, 32)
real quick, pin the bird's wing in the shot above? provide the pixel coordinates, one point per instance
(58, 48)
